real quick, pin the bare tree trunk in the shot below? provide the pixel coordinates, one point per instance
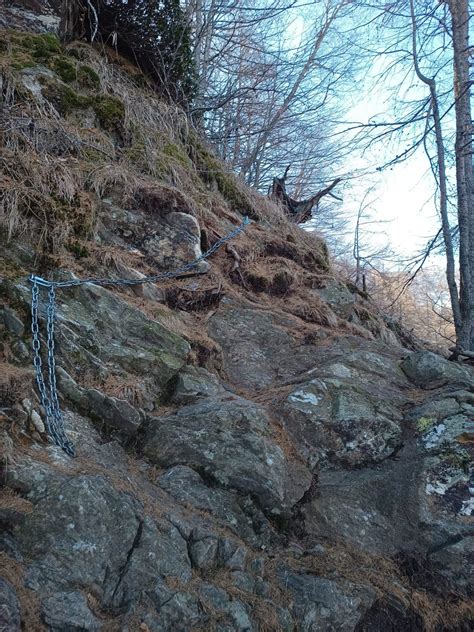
(442, 182)
(72, 20)
(464, 170)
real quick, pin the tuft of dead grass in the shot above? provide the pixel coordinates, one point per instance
(15, 382)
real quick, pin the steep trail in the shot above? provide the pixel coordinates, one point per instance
(256, 450)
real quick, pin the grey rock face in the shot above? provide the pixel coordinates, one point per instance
(24, 15)
(258, 350)
(419, 503)
(322, 605)
(116, 413)
(338, 296)
(372, 509)
(430, 370)
(9, 608)
(69, 611)
(101, 332)
(188, 487)
(194, 383)
(10, 320)
(348, 414)
(231, 441)
(179, 613)
(158, 551)
(85, 533)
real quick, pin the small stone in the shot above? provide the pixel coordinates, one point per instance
(37, 422)
(27, 405)
(20, 351)
(203, 553)
(19, 415)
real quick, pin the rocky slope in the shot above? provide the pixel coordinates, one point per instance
(256, 450)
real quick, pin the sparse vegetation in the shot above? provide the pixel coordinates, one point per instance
(424, 424)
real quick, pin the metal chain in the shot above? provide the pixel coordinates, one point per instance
(50, 403)
(171, 274)
(56, 428)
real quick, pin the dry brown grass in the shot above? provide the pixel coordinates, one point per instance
(15, 382)
(385, 578)
(7, 451)
(11, 500)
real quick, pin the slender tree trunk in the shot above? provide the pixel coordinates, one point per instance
(442, 182)
(72, 20)
(464, 170)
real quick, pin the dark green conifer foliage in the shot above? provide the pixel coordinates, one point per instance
(153, 33)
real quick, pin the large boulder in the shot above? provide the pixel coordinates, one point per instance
(161, 226)
(348, 414)
(429, 370)
(231, 441)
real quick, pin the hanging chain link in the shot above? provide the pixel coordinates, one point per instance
(50, 403)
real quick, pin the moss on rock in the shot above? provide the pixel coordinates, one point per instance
(42, 47)
(63, 97)
(64, 68)
(211, 172)
(424, 424)
(110, 112)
